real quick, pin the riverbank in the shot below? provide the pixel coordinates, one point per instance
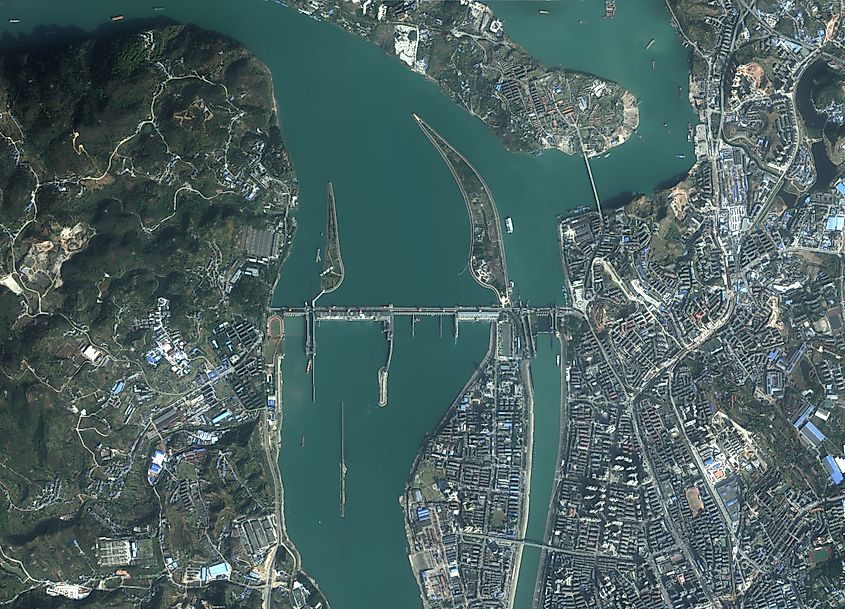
(527, 383)
(563, 438)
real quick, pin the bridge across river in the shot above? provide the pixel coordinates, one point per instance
(464, 313)
(386, 313)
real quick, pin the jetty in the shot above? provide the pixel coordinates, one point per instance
(310, 345)
(342, 464)
(383, 371)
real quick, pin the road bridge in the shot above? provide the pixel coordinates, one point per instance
(376, 313)
(545, 546)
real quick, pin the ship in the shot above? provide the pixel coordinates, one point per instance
(557, 359)
(317, 259)
(509, 225)
(648, 46)
(117, 18)
(652, 64)
(302, 441)
(543, 12)
(309, 366)
(681, 156)
(14, 20)
(158, 9)
(609, 8)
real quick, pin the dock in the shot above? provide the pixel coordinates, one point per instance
(384, 370)
(311, 345)
(342, 463)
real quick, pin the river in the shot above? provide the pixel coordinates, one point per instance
(346, 116)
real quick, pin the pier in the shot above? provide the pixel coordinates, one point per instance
(384, 370)
(310, 345)
(342, 464)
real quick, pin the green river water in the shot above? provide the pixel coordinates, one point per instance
(346, 116)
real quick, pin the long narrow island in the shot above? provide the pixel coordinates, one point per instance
(333, 272)
(487, 261)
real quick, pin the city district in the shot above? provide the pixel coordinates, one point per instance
(149, 201)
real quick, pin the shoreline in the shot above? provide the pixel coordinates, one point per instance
(527, 382)
(489, 356)
(274, 431)
(562, 440)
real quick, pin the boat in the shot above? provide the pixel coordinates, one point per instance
(543, 12)
(302, 441)
(317, 259)
(509, 225)
(309, 366)
(14, 20)
(652, 64)
(117, 18)
(609, 8)
(681, 156)
(650, 42)
(604, 156)
(558, 359)
(158, 9)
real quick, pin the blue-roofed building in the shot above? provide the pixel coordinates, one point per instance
(832, 469)
(803, 416)
(423, 515)
(811, 434)
(221, 417)
(840, 187)
(220, 571)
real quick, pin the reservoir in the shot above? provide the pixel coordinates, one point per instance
(346, 110)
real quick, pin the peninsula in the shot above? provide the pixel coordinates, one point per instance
(466, 505)
(464, 48)
(147, 199)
